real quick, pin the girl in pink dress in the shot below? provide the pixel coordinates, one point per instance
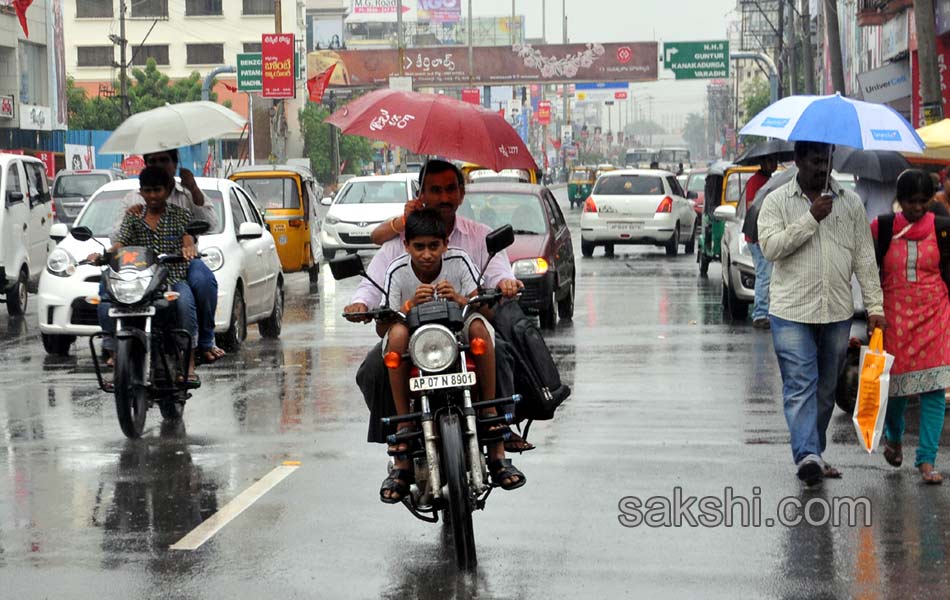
(918, 323)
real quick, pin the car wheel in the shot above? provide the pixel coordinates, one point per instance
(608, 250)
(736, 308)
(703, 264)
(328, 254)
(57, 345)
(18, 295)
(314, 274)
(547, 316)
(565, 307)
(673, 246)
(231, 339)
(690, 246)
(587, 249)
(270, 327)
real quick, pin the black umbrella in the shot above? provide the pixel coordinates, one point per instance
(878, 165)
(782, 151)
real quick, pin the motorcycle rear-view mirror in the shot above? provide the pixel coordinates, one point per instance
(196, 228)
(83, 234)
(501, 238)
(348, 266)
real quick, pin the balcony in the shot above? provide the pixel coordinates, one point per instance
(877, 12)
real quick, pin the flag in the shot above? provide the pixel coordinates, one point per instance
(20, 7)
(317, 84)
(230, 87)
(209, 164)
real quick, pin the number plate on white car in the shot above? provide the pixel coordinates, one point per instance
(438, 382)
(625, 226)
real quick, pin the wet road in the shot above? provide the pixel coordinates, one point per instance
(666, 394)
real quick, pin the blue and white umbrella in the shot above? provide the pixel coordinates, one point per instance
(836, 120)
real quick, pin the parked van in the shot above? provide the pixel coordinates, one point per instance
(25, 220)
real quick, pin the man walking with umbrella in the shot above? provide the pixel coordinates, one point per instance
(817, 236)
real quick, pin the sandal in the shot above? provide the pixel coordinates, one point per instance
(193, 381)
(404, 448)
(501, 470)
(397, 484)
(893, 454)
(930, 475)
(516, 443)
(829, 472)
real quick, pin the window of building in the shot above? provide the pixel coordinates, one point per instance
(202, 8)
(150, 8)
(96, 9)
(142, 54)
(205, 54)
(95, 56)
(34, 78)
(252, 46)
(258, 7)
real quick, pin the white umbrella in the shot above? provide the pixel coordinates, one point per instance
(172, 126)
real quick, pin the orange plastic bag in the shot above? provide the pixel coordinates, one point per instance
(871, 405)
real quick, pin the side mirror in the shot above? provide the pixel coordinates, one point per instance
(348, 266)
(725, 213)
(14, 197)
(501, 238)
(250, 231)
(692, 195)
(196, 228)
(327, 201)
(58, 232)
(83, 234)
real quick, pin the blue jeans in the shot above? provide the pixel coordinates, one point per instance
(810, 357)
(932, 407)
(184, 307)
(763, 276)
(205, 288)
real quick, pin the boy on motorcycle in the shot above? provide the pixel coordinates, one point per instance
(429, 271)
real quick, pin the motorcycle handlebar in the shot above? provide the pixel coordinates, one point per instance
(374, 314)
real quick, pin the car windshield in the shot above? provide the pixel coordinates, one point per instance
(674, 156)
(373, 192)
(579, 175)
(847, 183)
(628, 185)
(79, 185)
(696, 183)
(272, 193)
(523, 211)
(102, 214)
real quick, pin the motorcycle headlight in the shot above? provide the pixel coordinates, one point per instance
(433, 348)
(60, 263)
(213, 258)
(331, 220)
(530, 266)
(128, 290)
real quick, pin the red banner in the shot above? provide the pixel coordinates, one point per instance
(133, 165)
(544, 112)
(943, 65)
(49, 159)
(620, 95)
(316, 86)
(277, 65)
(472, 95)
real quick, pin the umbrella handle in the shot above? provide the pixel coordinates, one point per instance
(831, 155)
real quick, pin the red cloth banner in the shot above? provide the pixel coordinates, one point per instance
(317, 84)
(20, 7)
(472, 95)
(544, 112)
(277, 64)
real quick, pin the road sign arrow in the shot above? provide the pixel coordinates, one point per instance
(669, 54)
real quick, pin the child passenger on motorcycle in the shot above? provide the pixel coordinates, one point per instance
(430, 270)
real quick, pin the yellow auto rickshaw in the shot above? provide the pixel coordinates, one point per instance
(580, 184)
(288, 196)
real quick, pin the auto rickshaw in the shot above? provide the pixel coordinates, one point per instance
(725, 184)
(288, 196)
(580, 184)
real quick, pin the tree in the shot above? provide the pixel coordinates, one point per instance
(757, 98)
(354, 150)
(642, 128)
(694, 132)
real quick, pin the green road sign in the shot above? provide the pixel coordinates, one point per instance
(249, 72)
(697, 60)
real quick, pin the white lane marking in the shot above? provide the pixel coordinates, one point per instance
(230, 511)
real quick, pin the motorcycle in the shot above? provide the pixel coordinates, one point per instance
(451, 474)
(151, 363)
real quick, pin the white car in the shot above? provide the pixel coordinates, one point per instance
(637, 206)
(362, 204)
(240, 252)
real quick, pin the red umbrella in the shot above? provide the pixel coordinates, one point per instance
(436, 125)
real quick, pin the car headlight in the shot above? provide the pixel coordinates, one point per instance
(330, 220)
(433, 348)
(129, 291)
(213, 258)
(530, 266)
(60, 263)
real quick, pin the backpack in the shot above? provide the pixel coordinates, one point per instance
(885, 232)
(536, 376)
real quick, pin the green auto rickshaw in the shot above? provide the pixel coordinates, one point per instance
(580, 184)
(725, 184)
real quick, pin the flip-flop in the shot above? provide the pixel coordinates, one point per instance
(893, 454)
(829, 472)
(931, 477)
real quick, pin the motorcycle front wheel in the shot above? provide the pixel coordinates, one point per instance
(131, 395)
(458, 512)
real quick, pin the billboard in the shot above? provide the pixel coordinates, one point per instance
(277, 62)
(492, 65)
(379, 11)
(440, 11)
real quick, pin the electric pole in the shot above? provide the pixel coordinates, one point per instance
(809, 57)
(278, 122)
(123, 66)
(792, 51)
(932, 105)
(834, 45)
(780, 51)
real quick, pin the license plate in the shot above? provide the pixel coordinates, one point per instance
(124, 312)
(277, 227)
(625, 226)
(438, 382)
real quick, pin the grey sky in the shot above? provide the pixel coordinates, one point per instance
(630, 20)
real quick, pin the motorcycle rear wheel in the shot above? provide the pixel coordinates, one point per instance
(131, 396)
(458, 512)
(172, 410)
